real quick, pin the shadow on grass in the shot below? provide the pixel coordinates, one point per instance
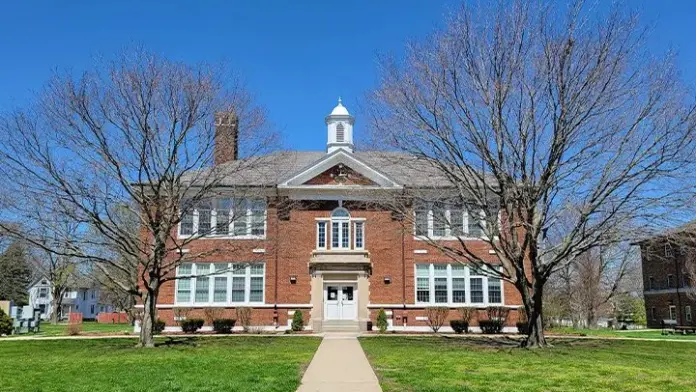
(182, 341)
(498, 341)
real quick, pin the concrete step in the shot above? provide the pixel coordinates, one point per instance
(340, 326)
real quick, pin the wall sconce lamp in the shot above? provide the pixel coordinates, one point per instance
(293, 279)
(387, 279)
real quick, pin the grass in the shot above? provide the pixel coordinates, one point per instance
(604, 332)
(429, 364)
(88, 328)
(183, 364)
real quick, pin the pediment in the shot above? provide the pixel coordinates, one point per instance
(340, 175)
(339, 169)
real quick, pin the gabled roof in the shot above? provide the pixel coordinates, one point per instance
(338, 157)
(395, 168)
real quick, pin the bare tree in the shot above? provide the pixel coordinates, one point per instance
(54, 262)
(136, 132)
(590, 283)
(536, 113)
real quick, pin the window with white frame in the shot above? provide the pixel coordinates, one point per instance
(220, 283)
(359, 230)
(341, 231)
(672, 312)
(456, 284)
(321, 235)
(43, 292)
(440, 220)
(225, 217)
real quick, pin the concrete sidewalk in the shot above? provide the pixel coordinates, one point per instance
(339, 365)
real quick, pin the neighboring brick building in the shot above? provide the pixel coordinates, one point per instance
(666, 282)
(314, 239)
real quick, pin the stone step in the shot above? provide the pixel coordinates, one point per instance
(340, 326)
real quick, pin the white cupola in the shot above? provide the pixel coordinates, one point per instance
(340, 129)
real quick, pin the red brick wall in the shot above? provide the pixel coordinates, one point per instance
(112, 318)
(288, 247)
(658, 265)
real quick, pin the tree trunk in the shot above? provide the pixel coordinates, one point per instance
(149, 315)
(591, 319)
(56, 304)
(533, 305)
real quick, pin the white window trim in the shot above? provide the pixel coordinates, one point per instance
(467, 287)
(354, 227)
(327, 225)
(329, 233)
(671, 307)
(687, 313)
(211, 286)
(213, 223)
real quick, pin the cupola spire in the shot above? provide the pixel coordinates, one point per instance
(339, 125)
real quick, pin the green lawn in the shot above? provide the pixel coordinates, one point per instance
(207, 364)
(460, 364)
(604, 332)
(88, 328)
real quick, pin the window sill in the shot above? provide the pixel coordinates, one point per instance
(458, 304)
(340, 251)
(214, 304)
(448, 238)
(224, 237)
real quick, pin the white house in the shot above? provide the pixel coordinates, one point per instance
(82, 299)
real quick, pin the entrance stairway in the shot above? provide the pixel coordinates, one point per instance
(340, 326)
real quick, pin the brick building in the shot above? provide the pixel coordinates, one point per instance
(666, 282)
(313, 238)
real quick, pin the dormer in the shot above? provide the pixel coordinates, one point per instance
(339, 126)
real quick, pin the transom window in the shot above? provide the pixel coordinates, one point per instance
(227, 217)
(219, 283)
(340, 231)
(440, 220)
(456, 284)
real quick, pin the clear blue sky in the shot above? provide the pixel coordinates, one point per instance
(297, 57)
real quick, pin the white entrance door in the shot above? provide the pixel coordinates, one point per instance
(340, 302)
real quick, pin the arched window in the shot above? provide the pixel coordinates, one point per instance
(340, 228)
(337, 232)
(340, 213)
(340, 133)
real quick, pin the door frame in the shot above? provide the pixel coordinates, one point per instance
(340, 284)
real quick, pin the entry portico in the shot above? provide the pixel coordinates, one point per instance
(340, 289)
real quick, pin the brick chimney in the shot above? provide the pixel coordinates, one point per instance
(226, 137)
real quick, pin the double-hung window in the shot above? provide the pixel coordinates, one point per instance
(359, 230)
(220, 283)
(340, 231)
(440, 220)
(456, 284)
(423, 283)
(224, 217)
(440, 281)
(183, 291)
(43, 292)
(321, 235)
